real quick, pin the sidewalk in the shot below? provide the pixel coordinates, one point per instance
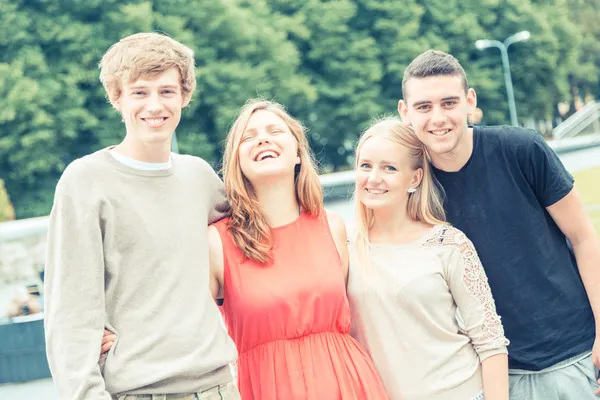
(33, 390)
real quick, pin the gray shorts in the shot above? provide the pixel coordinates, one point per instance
(572, 379)
(226, 391)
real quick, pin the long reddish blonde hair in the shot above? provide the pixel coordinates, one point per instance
(248, 227)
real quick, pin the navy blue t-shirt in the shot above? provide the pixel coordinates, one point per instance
(499, 199)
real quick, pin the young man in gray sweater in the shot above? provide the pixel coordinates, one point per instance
(127, 247)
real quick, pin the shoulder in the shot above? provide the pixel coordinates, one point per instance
(337, 227)
(455, 248)
(218, 232)
(449, 237)
(336, 224)
(82, 171)
(202, 173)
(87, 164)
(524, 146)
(193, 161)
(220, 227)
(214, 236)
(511, 137)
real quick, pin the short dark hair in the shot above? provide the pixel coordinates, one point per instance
(433, 63)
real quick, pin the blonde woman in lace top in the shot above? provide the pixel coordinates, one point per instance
(410, 273)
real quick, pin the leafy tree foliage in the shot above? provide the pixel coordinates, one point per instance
(334, 63)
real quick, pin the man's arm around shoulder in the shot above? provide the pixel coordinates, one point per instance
(219, 206)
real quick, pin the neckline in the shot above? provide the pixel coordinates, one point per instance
(134, 171)
(141, 165)
(417, 242)
(295, 221)
(476, 132)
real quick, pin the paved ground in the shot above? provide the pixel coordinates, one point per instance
(34, 390)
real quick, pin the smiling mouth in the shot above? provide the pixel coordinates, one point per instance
(440, 132)
(265, 155)
(154, 122)
(376, 191)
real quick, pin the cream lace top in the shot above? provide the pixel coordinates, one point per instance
(406, 310)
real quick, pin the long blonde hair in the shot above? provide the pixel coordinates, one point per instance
(248, 227)
(425, 204)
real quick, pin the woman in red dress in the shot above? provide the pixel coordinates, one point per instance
(280, 264)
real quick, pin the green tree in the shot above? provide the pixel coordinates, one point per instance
(334, 63)
(343, 64)
(53, 108)
(46, 68)
(395, 27)
(241, 53)
(539, 66)
(584, 79)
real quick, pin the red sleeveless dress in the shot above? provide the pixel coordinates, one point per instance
(290, 319)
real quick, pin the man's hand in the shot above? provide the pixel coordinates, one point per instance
(107, 341)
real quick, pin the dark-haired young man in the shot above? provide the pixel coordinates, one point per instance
(509, 192)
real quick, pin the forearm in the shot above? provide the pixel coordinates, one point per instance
(73, 329)
(587, 254)
(494, 371)
(74, 301)
(73, 362)
(74, 323)
(473, 297)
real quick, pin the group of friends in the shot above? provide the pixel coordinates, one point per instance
(472, 270)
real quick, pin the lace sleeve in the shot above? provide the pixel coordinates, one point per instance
(471, 292)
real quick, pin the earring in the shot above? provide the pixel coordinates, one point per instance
(411, 190)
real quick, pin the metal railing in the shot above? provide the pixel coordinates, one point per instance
(585, 121)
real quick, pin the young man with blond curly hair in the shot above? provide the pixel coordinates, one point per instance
(127, 247)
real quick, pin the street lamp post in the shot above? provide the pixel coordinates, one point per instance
(503, 46)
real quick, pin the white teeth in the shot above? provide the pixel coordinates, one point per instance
(154, 121)
(265, 154)
(376, 191)
(440, 133)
